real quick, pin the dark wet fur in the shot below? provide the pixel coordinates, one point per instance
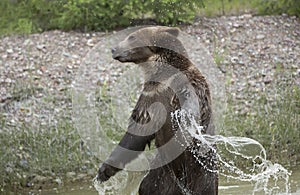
(183, 175)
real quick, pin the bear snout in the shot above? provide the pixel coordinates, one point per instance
(119, 55)
(115, 54)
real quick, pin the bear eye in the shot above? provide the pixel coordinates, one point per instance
(131, 38)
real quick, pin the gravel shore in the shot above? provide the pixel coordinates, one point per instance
(247, 48)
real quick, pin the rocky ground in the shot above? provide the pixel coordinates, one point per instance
(248, 49)
(37, 71)
(255, 53)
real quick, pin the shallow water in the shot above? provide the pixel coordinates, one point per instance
(225, 187)
(235, 188)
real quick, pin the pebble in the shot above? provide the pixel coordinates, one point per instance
(90, 43)
(24, 164)
(81, 176)
(10, 51)
(70, 174)
(9, 170)
(58, 181)
(234, 60)
(259, 37)
(40, 179)
(27, 42)
(40, 47)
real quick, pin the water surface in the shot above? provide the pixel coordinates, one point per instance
(225, 187)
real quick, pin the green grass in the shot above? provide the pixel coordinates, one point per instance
(275, 124)
(35, 147)
(28, 151)
(226, 7)
(25, 17)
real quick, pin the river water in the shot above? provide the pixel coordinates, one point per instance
(225, 187)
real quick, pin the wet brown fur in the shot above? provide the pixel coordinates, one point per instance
(164, 61)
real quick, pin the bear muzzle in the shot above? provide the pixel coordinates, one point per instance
(117, 55)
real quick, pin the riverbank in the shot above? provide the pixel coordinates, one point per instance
(259, 56)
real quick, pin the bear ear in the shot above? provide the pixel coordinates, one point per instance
(172, 30)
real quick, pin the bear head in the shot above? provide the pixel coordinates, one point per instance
(145, 43)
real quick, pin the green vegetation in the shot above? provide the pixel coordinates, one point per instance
(27, 152)
(290, 7)
(273, 120)
(30, 16)
(33, 149)
(262, 7)
(226, 7)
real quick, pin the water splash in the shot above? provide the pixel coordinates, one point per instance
(233, 154)
(236, 152)
(124, 182)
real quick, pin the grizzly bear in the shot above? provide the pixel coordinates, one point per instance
(172, 85)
